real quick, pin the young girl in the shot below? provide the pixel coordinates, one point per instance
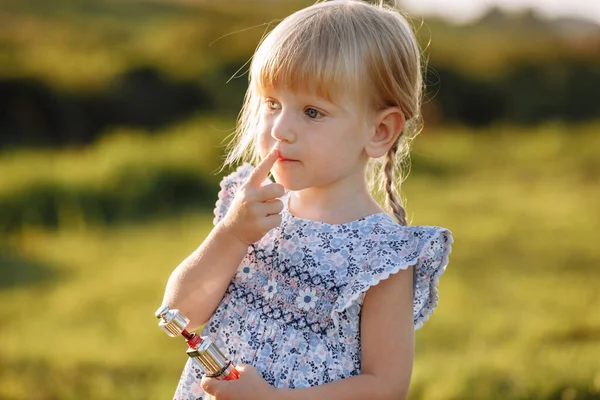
(306, 284)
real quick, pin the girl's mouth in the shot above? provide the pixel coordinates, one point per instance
(283, 159)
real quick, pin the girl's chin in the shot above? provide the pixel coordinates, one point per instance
(288, 184)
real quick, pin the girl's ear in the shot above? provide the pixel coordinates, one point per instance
(388, 126)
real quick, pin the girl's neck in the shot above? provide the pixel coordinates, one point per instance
(336, 204)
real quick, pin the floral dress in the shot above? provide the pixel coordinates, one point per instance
(292, 309)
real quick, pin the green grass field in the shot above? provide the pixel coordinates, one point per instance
(519, 311)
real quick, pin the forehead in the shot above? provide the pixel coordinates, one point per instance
(313, 85)
(309, 71)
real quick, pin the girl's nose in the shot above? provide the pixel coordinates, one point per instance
(283, 129)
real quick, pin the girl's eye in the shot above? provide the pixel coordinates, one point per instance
(313, 113)
(271, 105)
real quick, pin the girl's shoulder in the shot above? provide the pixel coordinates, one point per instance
(387, 230)
(388, 242)
(389, 248)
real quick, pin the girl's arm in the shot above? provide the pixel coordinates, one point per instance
(198, 284)
(387, 341)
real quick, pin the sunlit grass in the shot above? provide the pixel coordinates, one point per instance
(98, 312)
(196, 144)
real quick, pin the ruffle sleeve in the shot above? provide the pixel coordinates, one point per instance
(425, 248)
(229, 187)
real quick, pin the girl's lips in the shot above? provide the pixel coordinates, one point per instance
(283, 159)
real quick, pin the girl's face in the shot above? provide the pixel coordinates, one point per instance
(320, 143)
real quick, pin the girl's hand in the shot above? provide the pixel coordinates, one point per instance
(255, 208)
(250, 386)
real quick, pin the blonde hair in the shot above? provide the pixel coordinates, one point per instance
(340, 48)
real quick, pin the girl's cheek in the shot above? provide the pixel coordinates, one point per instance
(265, 141)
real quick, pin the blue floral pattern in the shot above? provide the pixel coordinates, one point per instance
(292, 309)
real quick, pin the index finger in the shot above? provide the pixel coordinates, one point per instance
(261, 171)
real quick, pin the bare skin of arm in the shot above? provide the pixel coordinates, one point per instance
(198, 284)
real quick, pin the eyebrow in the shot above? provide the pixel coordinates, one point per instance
(345, 106)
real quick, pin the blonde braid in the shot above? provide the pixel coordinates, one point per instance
(391, 199)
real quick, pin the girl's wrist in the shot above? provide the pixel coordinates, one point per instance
(225, 233)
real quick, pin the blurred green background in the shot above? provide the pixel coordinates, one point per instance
(113, 120)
